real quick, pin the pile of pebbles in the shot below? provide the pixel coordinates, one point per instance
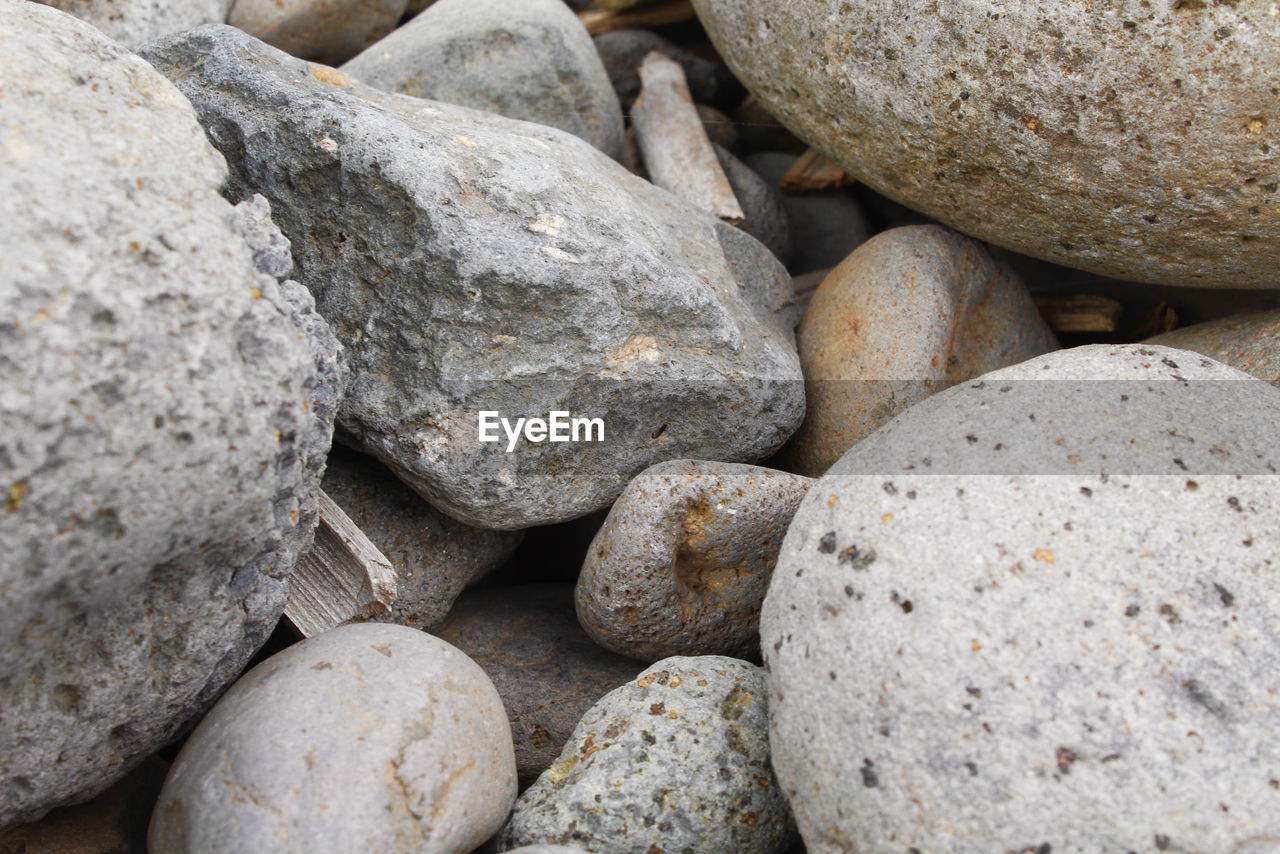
(935, 496)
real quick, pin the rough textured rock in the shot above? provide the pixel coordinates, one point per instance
(1247, 342)
(1055, 636)
(622, 51)
(330, 31)
(825, 227)
(364, 738)
(434, 557)
(115, 822)
(683, 560)
(1056, 129)
(164, 418)
(547, 671)
(557, 282)
(271, 249)
(766, 216)
(133, 23)
(677, 759)
(525, 59)
(910, 312)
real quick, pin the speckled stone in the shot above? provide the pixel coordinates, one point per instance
(1249, 342)
(364, 738)
(676, 760)
(909, 313)
(548, 672)
(1035, 613)
(434, 557)
(683, 560)
(524, 59)
(330, 31)
(133, 23)
(1133, 139)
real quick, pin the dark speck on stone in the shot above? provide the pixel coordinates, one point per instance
(1086, 492)
(1234, 503)
(1228, 598)
(1132, 611)
(890, 488)
(859, 561)
(1162, 842)
(869, 777)
(827, 544)
(1170, 362)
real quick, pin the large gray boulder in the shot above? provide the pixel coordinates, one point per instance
(363, 738)
(133, 23)
(525, 59)
(330, 31)
(1036, 613)
(475, 263)
(1056, 128)
(164, 417)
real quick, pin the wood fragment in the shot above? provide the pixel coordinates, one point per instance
(1081, 313)
(676, 150)
(813, 173)
(1158, 321)
(342, 578)
(599, 21)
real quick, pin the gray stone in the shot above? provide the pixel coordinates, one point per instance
(766, 216)
(270, 247)
(1136, 142)
(720, 128)
(474, 263)
(677, 759)
(683, 560)
(825, 227)
(330, 31)
(133, 23)
(1249, 342)
(546, 669)
(909, 313)
(164, 418)
(1033, 613)
(434, 557)
(552, 849)
(525, 59)
(364, 738)
(622, 51)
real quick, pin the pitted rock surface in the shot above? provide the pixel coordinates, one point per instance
(163, 424)
(474, 263)
(133, 23)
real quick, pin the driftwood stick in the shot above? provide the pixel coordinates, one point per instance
(342, 578)
(1082, 313)
(813, 173)
(673, 142)
(606, 20)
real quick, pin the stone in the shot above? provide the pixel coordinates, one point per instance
(1133, 142)
(1246, 342)
(271, 249)
(677, 759)
(909, 313)
(720, 129)
(622, 51)
(683, 560)
(328, 31)
(524, 59)
(365, 738)
(558, 282)
(825, 227)
(766, 216)
(115, 822)
(133, 23)
(164, 418)
(545, 668)
(434, 557)
(1031, 614)
(547, 849)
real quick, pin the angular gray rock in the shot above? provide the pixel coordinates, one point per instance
(677, 759)
(164, 418)
(1035, 599)
(363, 738)
(1048, 127)
(271, 249)
(434, 557)
(684, 558)
(474, 263)
(766, 215)
(825, 227)
(910, 312)
(329, 31)
(524, 59)
(547, 671)
(1248, 342)
(133, 23)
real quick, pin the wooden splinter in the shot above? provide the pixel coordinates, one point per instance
(674, 144)
(814, 172)
(342, 578)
